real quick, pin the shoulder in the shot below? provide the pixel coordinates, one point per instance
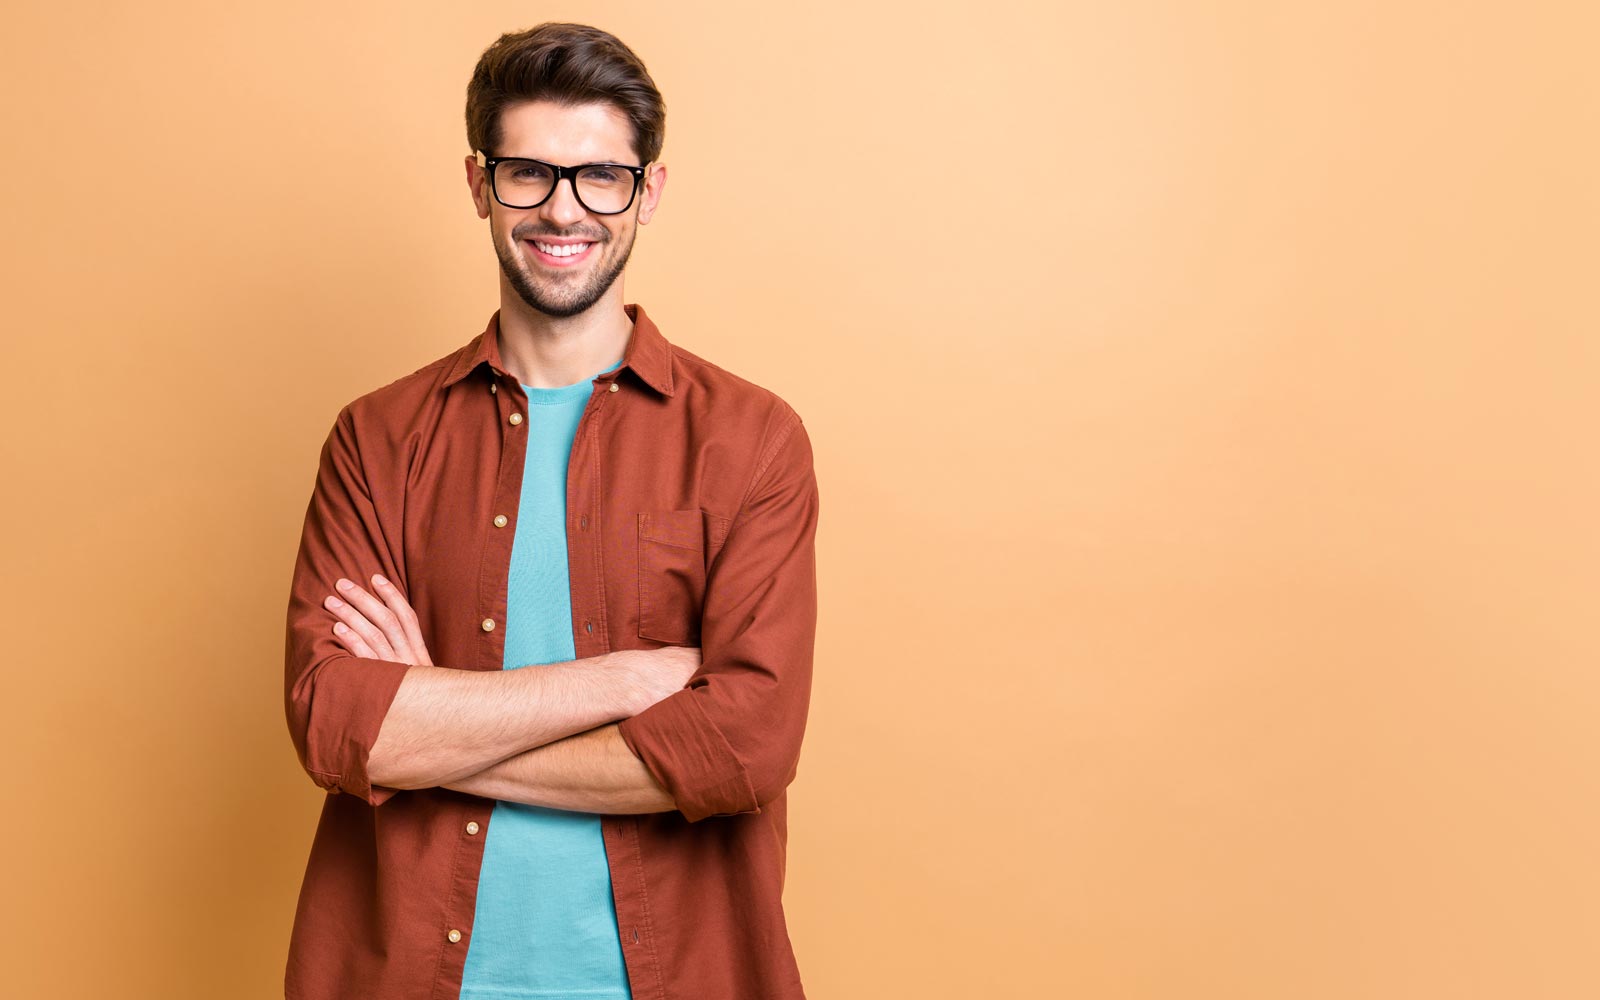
(755, 423)
(408, 392)
(705, 385)
(394, 408)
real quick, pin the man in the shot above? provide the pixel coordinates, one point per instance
(551, 623)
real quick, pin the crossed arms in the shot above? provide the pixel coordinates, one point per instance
(612, 734)
(524, 735)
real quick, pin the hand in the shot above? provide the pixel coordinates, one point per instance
(656, 674)
(379, 630)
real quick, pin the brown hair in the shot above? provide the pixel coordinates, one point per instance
(569, 64)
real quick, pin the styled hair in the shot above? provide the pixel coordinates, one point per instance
(569, 64)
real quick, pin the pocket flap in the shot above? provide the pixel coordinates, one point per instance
(681, 528)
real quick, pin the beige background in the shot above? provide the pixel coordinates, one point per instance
(1204, 400)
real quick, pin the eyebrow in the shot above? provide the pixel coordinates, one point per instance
(586, 163)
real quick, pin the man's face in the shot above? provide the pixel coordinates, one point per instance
(589, 133)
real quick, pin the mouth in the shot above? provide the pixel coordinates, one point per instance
(566, 255)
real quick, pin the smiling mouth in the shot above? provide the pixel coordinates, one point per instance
(560, 255)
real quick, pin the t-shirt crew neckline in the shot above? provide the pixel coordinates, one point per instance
(548, 396)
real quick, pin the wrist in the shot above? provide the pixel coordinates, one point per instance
(629, 695)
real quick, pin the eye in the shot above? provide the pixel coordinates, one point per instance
(529, 171)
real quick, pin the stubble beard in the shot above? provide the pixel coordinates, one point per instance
(558, 296)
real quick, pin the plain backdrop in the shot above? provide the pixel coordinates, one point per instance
(1204, 400)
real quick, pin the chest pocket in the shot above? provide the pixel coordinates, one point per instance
(672, 575)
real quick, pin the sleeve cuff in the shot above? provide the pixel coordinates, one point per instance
(353, 695)
(684, 750)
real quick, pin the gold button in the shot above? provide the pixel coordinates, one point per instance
(613, 387)
(472, 827)
(454, 935)
(488, 624)
(516, 418)
(499, 520)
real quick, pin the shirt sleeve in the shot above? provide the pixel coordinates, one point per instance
(335, 702)
(729, 742)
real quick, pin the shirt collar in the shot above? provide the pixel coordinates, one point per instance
(648, 353)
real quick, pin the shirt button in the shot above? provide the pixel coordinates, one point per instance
(499, 520)
(488, 624)
(472, 828)
(613, 387)
(454, 935)
(516, 418)
(493, 388)
(583, 522)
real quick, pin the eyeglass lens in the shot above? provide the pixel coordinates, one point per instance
(526, 183)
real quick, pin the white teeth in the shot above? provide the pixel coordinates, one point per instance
(561, 251)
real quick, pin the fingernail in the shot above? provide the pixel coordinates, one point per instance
(378, 579)
(344, 584)
(334, 602)
(341, 627)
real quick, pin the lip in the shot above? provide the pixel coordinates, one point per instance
(571, 261)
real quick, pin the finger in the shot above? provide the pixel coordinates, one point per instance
(352, 641)
(369, 632)
(378, 613)
(405, 614)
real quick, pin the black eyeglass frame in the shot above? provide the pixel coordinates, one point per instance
(488, 163)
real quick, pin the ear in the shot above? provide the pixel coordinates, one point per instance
(478, 183)
(655, 182)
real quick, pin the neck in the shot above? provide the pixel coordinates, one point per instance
(547, 352)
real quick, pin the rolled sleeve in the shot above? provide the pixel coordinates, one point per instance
(335, 702)
(729, 742)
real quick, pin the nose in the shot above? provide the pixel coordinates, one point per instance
(562, 209)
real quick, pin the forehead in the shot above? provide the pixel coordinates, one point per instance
(584, 133)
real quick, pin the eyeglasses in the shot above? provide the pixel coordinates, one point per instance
(602, 188)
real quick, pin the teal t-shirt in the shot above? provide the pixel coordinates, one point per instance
(546, 925)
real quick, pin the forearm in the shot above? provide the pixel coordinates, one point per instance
(445, 723)
(593, 772)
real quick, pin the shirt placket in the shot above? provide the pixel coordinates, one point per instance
(584, 555)
(586, 470)
(510, 415)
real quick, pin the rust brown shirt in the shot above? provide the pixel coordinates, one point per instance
(691, 520)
